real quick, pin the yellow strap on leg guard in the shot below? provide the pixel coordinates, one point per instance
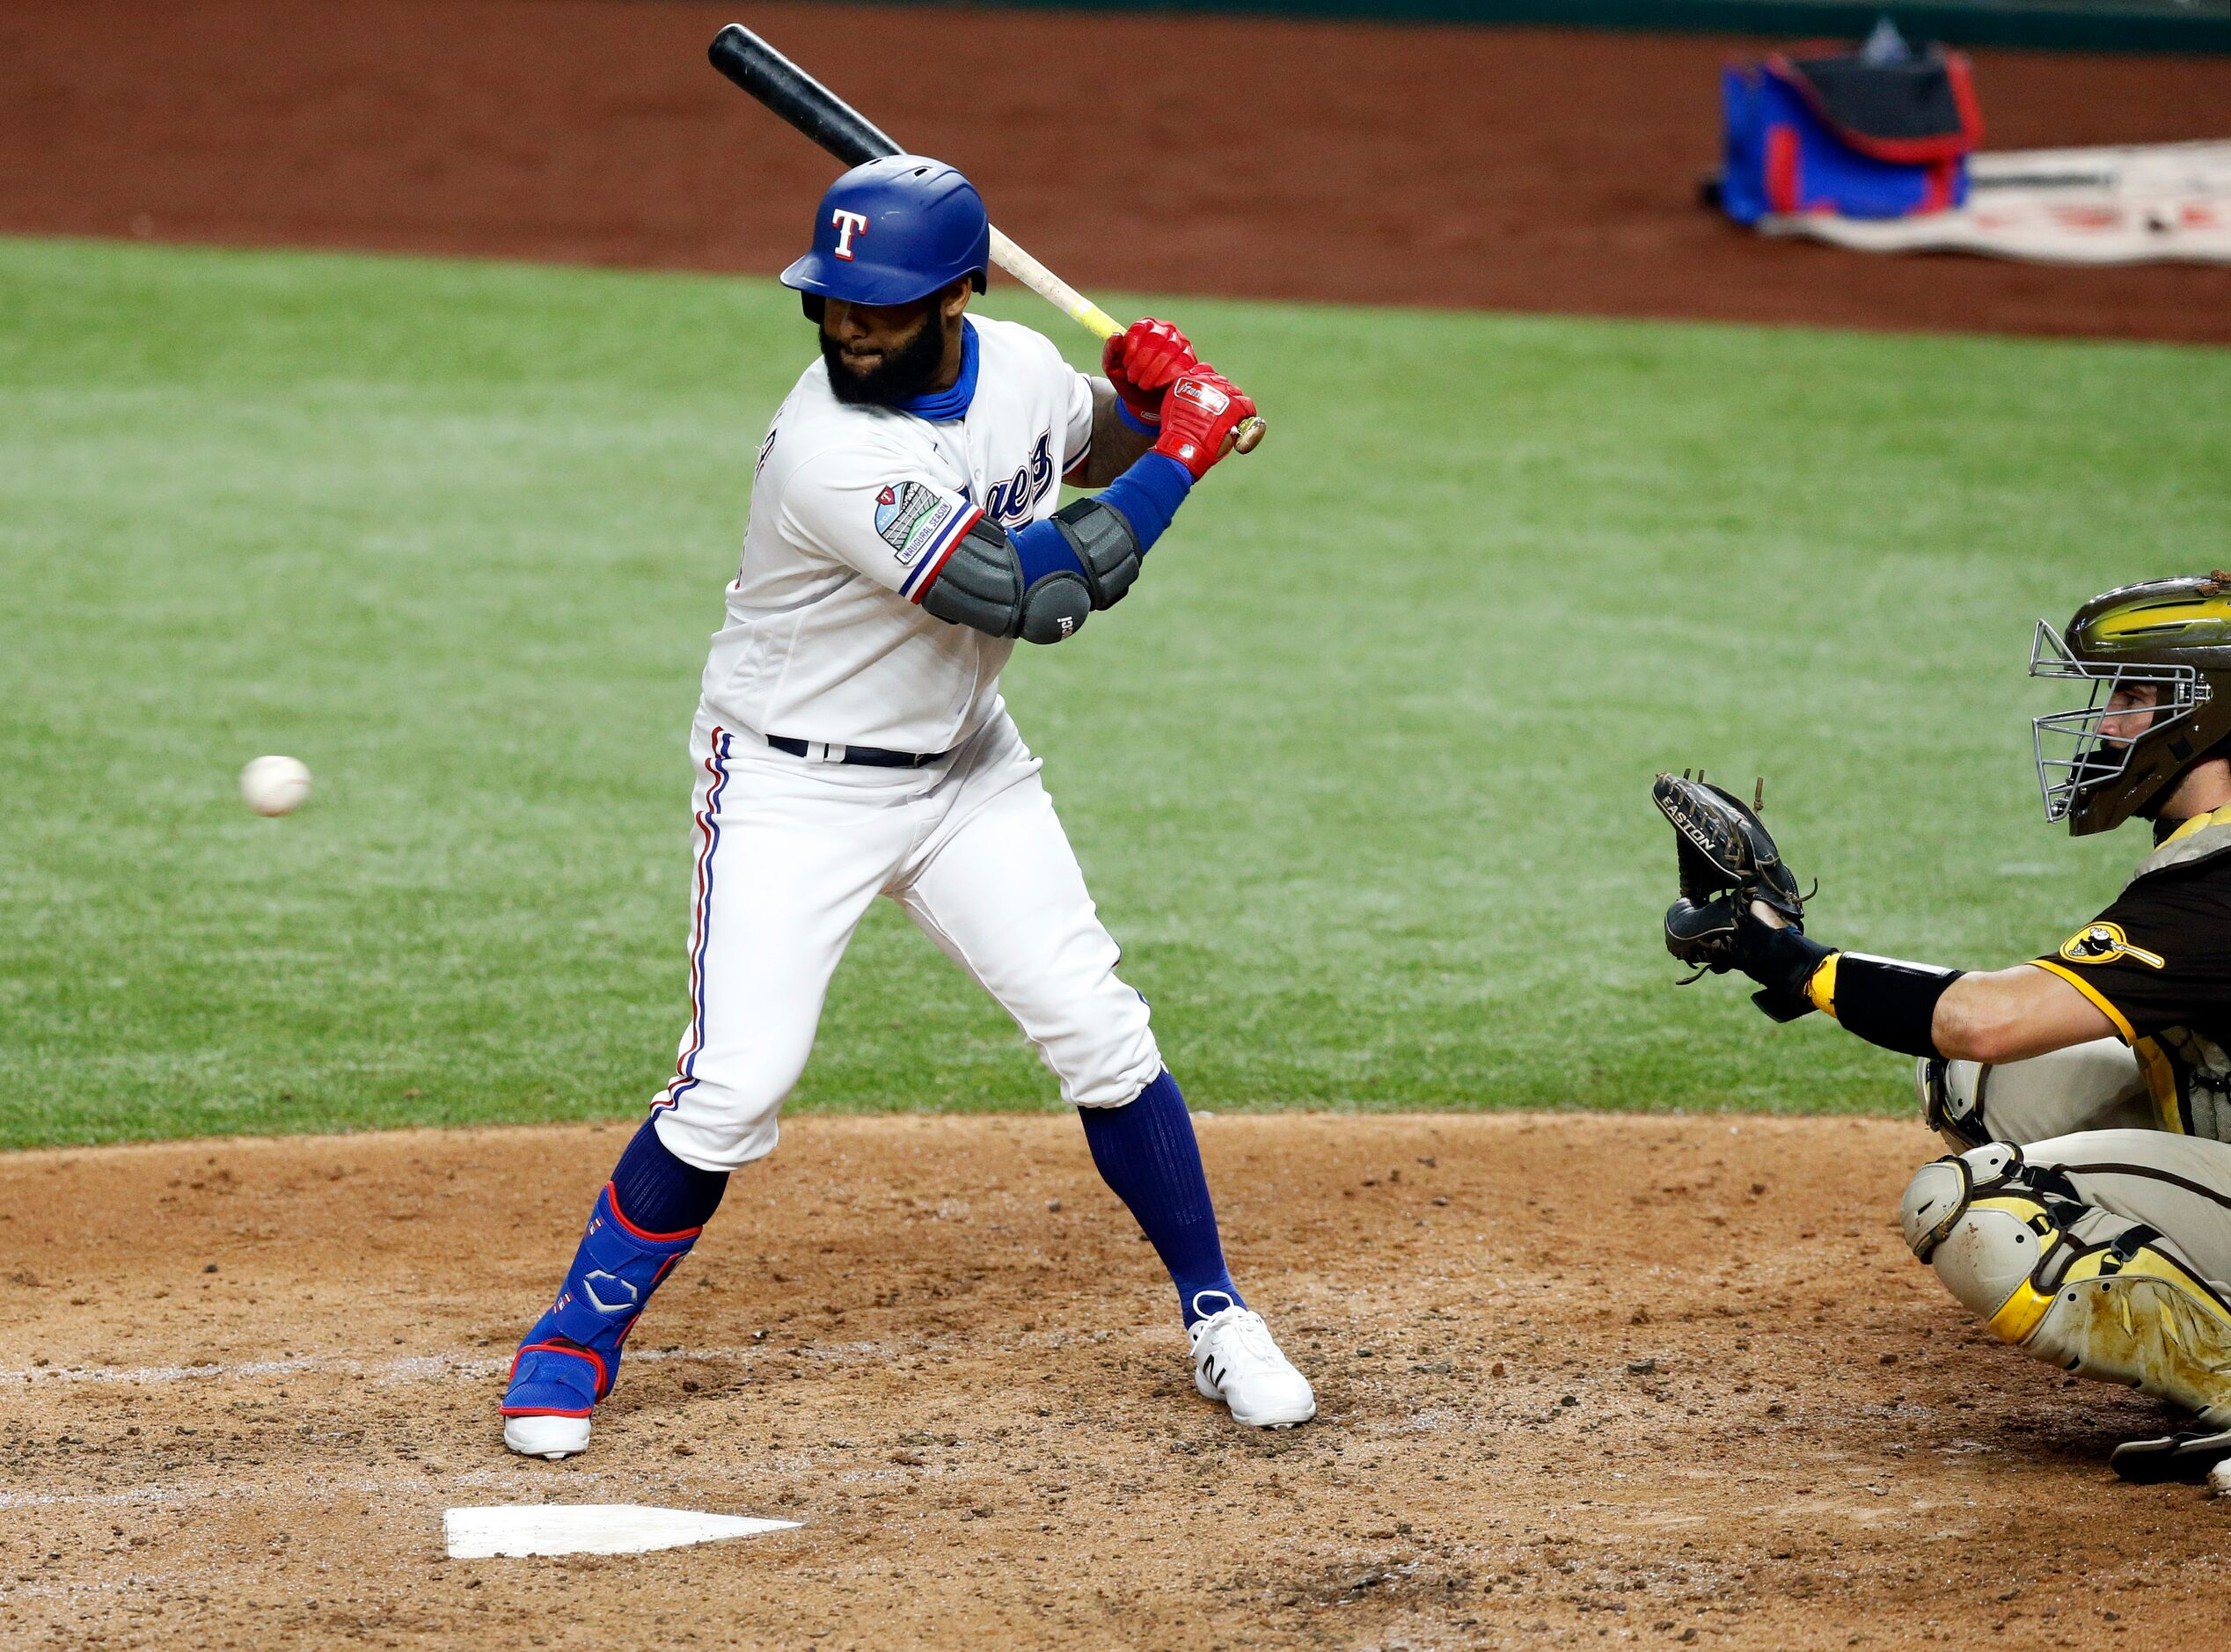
(2021, 1314)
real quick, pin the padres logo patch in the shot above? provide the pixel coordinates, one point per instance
(2105, 943)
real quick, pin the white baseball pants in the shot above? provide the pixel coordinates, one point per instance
(789, 852)
(2180, 1185)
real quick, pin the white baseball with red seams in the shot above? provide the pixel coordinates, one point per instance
(852, 512)
(275, 785)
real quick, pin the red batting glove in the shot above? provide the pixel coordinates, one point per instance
(1199, 413)
(1143, 361)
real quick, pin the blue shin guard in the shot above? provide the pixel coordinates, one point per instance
(571, 1357)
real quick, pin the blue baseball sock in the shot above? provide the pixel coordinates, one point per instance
(656, 1191)
(1147, 1154)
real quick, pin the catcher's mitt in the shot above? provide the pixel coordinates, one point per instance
(1728, 860)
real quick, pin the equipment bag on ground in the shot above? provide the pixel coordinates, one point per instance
(1872, 134)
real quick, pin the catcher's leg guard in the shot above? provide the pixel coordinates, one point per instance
(1951, 1096)
(570, 1358)
(2069, 1283)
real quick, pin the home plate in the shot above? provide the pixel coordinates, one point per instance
(587, 1528)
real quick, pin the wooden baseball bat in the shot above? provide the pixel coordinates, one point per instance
(829, 120)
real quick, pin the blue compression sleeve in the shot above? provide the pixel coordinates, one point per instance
(1147, 495)
(1042, 549)
(657, 1191)
(1147, 1155)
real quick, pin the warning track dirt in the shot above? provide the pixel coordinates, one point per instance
(1582, 1379)
(1509, 168)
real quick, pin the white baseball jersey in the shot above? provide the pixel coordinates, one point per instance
(852, 512)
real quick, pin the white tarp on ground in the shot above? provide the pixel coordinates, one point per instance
(2134, 205)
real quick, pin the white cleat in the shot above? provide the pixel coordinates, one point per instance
(553, 1437)
(1235, 1361)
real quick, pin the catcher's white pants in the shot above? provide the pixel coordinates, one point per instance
(2093, 1086)
(2180, 1185)
(790, 851)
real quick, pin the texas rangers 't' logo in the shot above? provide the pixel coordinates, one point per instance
(848, 226)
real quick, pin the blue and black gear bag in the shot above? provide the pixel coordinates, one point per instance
(1870, 134)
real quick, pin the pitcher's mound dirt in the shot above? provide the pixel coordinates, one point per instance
(1584, 1380)
(1523, 169)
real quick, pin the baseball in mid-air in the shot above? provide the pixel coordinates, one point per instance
(275, 786)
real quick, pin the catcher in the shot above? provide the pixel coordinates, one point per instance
(2085, 1216)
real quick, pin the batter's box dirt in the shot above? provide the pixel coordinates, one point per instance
(1584, 1381)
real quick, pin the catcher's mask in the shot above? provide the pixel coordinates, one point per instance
(2174, 635)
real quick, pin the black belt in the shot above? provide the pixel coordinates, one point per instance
(866, 756)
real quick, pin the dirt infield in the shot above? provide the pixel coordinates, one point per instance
(1584, 1381)
(1528, 169)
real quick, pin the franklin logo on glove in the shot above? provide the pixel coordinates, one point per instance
(1202, 394)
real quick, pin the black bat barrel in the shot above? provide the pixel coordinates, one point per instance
(797, 97)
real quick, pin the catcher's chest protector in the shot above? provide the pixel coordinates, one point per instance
(1847, 136)
(2187, 1069)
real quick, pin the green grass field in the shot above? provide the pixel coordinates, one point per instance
(1358, 775)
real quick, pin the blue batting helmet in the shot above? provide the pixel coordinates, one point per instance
(893, 231)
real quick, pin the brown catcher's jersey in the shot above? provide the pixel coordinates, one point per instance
(2158, 963)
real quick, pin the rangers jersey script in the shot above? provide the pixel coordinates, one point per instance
(853, 510)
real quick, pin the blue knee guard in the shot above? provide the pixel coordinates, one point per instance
(571, 1357)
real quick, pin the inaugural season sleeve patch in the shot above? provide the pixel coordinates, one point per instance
(2105, 943)
(909, 515)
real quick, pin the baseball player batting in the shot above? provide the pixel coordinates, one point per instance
(852, 741)
(2085, 1216)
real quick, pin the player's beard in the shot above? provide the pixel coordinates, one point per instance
(905, 372)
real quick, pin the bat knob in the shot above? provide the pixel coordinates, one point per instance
(1249, 435)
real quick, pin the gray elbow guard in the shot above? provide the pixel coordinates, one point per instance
(981, 583)
(1104, 542)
